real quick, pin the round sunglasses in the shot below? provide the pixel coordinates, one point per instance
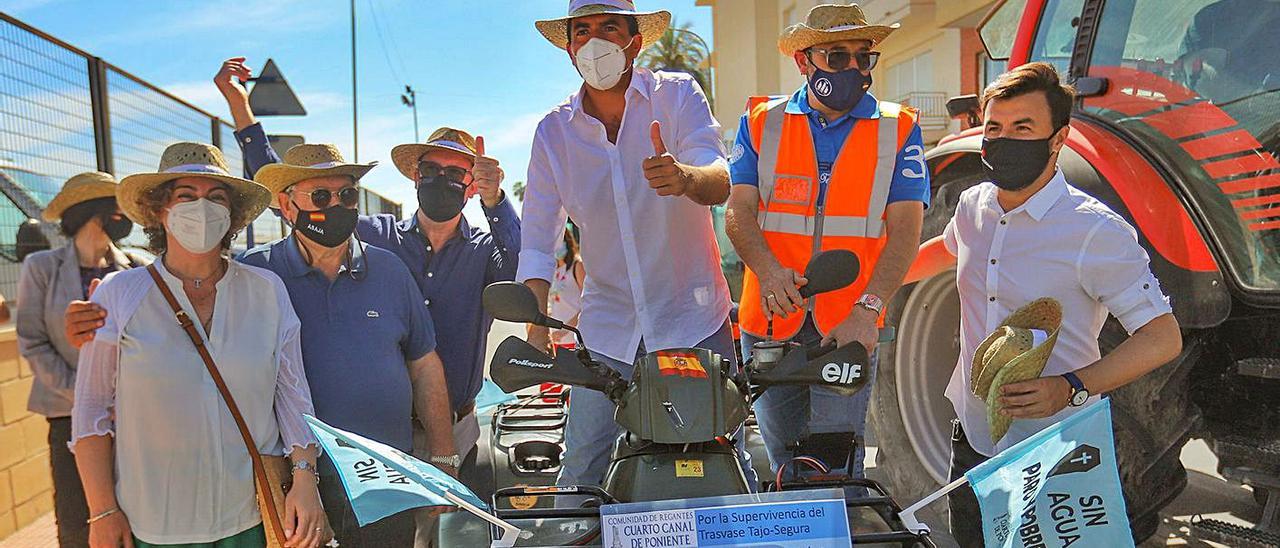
(347, 197)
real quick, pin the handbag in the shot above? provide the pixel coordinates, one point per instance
(272, 475)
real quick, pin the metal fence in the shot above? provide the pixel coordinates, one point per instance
(64, 111)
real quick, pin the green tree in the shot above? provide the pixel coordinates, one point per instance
(681, 50)
(517, 190)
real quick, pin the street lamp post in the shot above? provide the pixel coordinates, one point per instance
(355, 103)
(410, 99)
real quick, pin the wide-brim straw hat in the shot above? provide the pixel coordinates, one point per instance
(652, 24)
(1009, 356)
(307, 161)
(186, 159)
(90, 185)
(832, 23)
(405, 156)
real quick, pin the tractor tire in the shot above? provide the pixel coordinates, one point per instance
(1153, 418)
(910, 415)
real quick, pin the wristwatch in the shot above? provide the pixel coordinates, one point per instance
(451, 461)
(306, 466)
(871, 302)
(1079, 394)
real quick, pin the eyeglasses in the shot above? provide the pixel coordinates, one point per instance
(841, 59)
(348, 197)
(430, 169)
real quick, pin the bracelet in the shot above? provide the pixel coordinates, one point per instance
(102, 515)
(304, 466)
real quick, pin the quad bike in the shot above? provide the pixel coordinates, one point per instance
(678, 410)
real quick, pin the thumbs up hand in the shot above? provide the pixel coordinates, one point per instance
(487, 175)
(665, 175)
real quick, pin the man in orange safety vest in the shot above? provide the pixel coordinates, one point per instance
(829, 167)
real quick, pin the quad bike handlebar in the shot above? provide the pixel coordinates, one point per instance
(518, 365)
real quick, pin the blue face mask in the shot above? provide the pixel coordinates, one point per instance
(839, 91)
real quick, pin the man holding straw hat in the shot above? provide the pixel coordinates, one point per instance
(1024, 235)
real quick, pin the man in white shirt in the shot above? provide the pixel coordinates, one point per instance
(1028, 234)
(602, 158)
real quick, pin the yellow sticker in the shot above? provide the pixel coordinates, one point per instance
(688, 468)
(524, 502)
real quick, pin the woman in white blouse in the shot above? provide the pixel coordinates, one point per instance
(158, 451)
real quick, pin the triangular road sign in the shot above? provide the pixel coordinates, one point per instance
(272, 96)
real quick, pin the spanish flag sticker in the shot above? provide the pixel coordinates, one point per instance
(317, 216)
(684, 364)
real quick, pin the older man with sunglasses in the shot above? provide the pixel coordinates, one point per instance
(829, 167)
(450, 260)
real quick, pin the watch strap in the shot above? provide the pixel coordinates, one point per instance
(871, 302)
(1075, 382)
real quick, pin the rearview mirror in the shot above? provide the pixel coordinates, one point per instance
(828, 271)
(514, 302)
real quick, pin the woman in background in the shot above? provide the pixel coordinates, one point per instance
(564, 303)
(92, 222)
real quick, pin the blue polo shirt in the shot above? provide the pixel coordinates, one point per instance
(451, 279)
(358, 333)
(910, 174)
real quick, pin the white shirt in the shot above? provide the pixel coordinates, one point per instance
(183, 473)
(1061, 243)
(654, 267)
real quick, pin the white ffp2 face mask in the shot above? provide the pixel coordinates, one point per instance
(198, 226)
(601, 63)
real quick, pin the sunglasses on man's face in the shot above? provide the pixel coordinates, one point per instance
(431, 169)
(322, 197)
(841, 59)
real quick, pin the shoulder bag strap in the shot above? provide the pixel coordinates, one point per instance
(259, 472)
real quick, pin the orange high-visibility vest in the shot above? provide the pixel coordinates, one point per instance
(796, 228)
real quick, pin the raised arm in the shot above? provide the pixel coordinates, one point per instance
(249, 133)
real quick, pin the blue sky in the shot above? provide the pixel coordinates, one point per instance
(478, 65)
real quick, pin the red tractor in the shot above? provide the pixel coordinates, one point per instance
(1177, 129)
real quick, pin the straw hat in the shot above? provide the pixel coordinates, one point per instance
(831, 23)
(405, 157)
(86, 186)
(1012, 354)
(187, 159)
(653, 24)
(307, 161)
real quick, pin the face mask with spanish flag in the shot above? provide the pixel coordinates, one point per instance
(328, 227)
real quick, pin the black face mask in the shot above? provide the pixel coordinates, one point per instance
(328, 227)
(1013, 164)
(839, 90)
(440, 198)
(116, 229)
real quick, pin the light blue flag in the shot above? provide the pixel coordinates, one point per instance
(491, 396)
(381, 480)
(1057, 488)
